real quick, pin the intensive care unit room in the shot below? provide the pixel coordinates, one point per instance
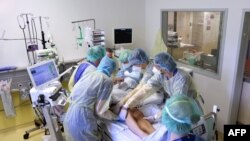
(124, 70)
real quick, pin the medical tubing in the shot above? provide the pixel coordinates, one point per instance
(42, 32)
(22, 27)
(26, 46)
(33, 37)
(80, 30)
(32, 29)
(33, 25)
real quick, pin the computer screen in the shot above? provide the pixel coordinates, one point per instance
(123, 36)
(43, 73)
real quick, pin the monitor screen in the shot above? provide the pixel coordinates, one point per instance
(123, 36)
(43, 73)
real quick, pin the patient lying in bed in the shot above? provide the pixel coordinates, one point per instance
(135, 117)
(141, 118)
(137, 127)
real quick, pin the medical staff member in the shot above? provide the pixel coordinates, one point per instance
(90, 100)
(94, 56)
(125, 66)
(169, 77)
(172, 79)
(178, 114)
(109, 52)
(137, 63)
(138, 58)
(129, 77)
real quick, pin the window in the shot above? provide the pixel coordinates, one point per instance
(194, 38)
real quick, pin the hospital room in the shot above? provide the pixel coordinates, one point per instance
(124, 70)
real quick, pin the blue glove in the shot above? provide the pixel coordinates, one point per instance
(123, 114)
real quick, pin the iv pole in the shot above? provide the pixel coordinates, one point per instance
(42, 32)
(85, 21)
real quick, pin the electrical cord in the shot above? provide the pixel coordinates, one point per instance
(18, 20)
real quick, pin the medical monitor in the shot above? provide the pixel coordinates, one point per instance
(123, 36)
(43, 73)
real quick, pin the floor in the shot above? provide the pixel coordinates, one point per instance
(13, 128)
(16, 133)
(23, 110)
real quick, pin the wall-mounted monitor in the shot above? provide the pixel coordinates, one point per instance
(123, 36)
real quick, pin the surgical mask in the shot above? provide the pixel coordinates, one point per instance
(156, 71)
(136, 68)
(125, 66)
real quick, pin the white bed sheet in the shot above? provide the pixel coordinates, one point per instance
(117, 131)
(120, 132)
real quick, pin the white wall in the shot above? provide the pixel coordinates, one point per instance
(108, 14)
(215, 91)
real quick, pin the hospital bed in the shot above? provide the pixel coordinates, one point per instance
(118, 131)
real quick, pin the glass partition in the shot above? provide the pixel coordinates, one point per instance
(194, 37)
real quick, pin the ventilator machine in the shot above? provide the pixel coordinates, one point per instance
(47, 95)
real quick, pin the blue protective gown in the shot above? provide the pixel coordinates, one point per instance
(90, 99)
(148, 73)
(82, 69)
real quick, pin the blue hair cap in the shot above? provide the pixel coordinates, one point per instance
(124, 55)
(107, 65)
(179, 113)
(95, 53)
(165, 61)
(137, 57)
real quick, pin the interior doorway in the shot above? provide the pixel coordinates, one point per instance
(242, 88)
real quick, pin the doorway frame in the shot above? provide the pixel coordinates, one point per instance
(239, 73)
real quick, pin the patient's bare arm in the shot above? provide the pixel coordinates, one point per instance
(138, 124)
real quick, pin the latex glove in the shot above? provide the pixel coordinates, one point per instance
(150, 119)
(154, 118)
(126, 73)
(158, 115)
(119, 119)
(123, 113)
